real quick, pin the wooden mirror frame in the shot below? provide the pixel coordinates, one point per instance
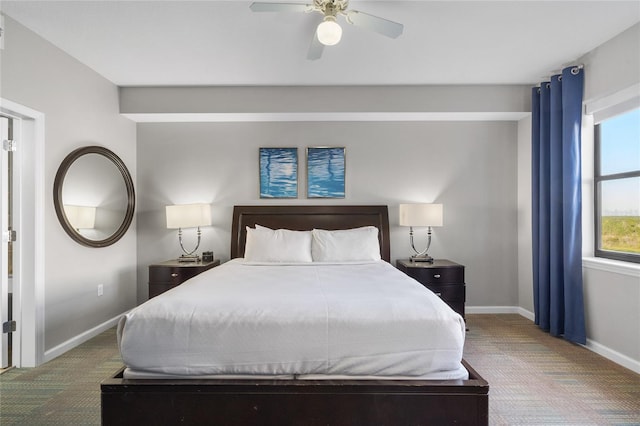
(57, 196)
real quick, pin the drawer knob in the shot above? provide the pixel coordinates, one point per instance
(174, 275)
(436, 276)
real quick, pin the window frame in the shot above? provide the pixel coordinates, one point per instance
(597, 179)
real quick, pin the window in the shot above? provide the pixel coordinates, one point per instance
(617, 187)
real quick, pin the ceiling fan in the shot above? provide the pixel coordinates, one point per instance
(329, 31)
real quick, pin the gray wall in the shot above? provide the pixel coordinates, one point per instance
(525, 249)
(613, 66)
(81, 108)
(431, 101)
(470, 167)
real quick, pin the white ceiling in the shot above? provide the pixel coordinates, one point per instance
(224, 43)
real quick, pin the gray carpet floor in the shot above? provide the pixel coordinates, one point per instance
(534, 379)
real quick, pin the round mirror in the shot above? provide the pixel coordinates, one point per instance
(93, 196)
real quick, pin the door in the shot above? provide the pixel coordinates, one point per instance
(6, 255)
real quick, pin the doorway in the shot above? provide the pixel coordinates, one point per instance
(7, 252)
(28, 200)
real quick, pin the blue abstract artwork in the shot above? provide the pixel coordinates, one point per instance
(278, 172)
(325, 172)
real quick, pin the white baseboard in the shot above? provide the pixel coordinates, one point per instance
(614, 356)
(80, 338)
(500, 310)
(527, 314)
(610, 354)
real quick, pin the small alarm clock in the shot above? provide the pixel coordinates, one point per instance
(207, 256)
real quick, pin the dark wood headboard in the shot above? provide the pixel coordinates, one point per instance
(304, 218)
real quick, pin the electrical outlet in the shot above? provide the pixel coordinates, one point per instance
(100, 290)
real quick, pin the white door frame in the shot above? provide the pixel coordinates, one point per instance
(29, 206)
(5, 178)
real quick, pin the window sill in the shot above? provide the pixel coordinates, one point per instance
(609, 265)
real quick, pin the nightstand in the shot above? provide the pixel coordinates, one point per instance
(444, 277)
(164, 276)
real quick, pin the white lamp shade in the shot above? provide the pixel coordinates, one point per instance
(329, 32)
(188, 215)
(80, 217)
(421, 215)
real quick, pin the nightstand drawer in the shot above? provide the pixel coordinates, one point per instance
(449, 293)
(444, 277)
(156, 289)
(437, 275)
(167, 275)
(171, 275)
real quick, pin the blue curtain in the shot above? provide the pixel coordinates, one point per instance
(556, 108)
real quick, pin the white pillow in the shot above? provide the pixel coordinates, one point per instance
(280, 245)
(349, 245)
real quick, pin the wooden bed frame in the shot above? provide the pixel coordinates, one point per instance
(298, 402)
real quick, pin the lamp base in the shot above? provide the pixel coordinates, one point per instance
(422, 258)
(189, 258)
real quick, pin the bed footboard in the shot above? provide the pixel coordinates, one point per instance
(295, 402)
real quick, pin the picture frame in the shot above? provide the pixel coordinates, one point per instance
(278, 172)
(326, 172)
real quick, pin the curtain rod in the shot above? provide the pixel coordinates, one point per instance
(579, 66)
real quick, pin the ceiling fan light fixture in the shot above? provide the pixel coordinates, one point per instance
(329, 32)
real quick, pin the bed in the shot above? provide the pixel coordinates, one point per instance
(392, 391)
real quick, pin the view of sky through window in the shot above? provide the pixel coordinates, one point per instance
(619, 153)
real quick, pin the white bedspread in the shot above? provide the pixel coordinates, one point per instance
(313, 319)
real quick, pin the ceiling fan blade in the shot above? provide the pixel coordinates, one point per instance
(280, 7)
(315, 48)
(374, 23)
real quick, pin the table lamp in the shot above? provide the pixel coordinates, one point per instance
(188, 216)
(421, 215)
